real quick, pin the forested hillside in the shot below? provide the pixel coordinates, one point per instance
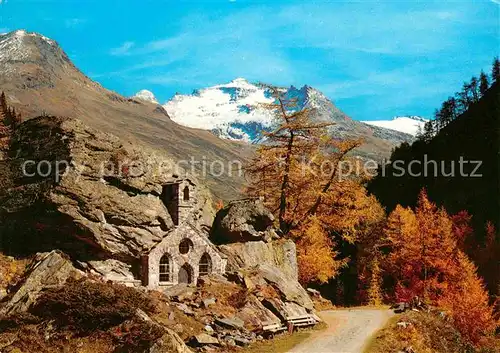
(457, 160)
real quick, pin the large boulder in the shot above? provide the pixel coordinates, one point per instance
(255, 315)
(243, 220)
(170, 342)
(280, 253)
(91, 189)
(274, 263)
(290, 289)
(47, 270)
(110, 270)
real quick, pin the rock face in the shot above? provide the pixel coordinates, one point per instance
(241, 221)
(245, 229)
(47, 270)
(291, 289)
(111, 269)
(81, 184)
(279, 253)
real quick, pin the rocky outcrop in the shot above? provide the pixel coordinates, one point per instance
(93, 188)
(110, 269)
(243, 220)
(47, 270)
(280, 254)
(290, 289)
(169, 342)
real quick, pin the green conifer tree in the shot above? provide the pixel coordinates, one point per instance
(484, 84)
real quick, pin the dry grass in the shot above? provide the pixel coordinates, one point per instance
(322, 304)
(280, 344)
(169, 316)
(11, 270)
(427, 333)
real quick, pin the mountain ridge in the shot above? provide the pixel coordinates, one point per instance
(38, 78)
(234, 111)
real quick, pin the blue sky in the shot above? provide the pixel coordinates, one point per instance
(374, 59)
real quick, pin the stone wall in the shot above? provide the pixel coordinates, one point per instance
(170, 246)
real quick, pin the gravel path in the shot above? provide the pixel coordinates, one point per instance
(348, 331)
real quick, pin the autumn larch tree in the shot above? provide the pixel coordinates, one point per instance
(425, 260)
(298, 172)
(466, 299)
(375, 283)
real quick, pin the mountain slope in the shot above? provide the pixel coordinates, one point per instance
(38, 78)
(473, 136)
(234, 111)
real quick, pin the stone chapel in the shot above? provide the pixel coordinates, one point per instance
(185, 254)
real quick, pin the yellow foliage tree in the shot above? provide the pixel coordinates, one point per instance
(315, 253)
(374, 289)
(467, 301)
(302, 174)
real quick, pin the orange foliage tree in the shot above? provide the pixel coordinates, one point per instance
(425, 260)
(467, 301)
(422, 249)
(316, 256)
(462, 228)
(300, 172)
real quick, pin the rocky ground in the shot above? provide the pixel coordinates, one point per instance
(81, 232)
(58, 304)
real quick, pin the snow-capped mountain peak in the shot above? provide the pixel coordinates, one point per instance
(29, 48)
(236, 111)
(146, 95)
(13, 45)
(411, 124)
(231, 110)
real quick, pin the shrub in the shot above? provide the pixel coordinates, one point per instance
(11, 270)
(86, 306)
(134, 335)
(17, 320)
(427, 332)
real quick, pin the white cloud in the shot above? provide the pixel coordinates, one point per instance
(124, 49)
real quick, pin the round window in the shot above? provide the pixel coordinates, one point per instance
(185, 246)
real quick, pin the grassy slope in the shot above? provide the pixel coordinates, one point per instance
(427, 333)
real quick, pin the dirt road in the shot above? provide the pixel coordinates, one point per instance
(348, 331)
